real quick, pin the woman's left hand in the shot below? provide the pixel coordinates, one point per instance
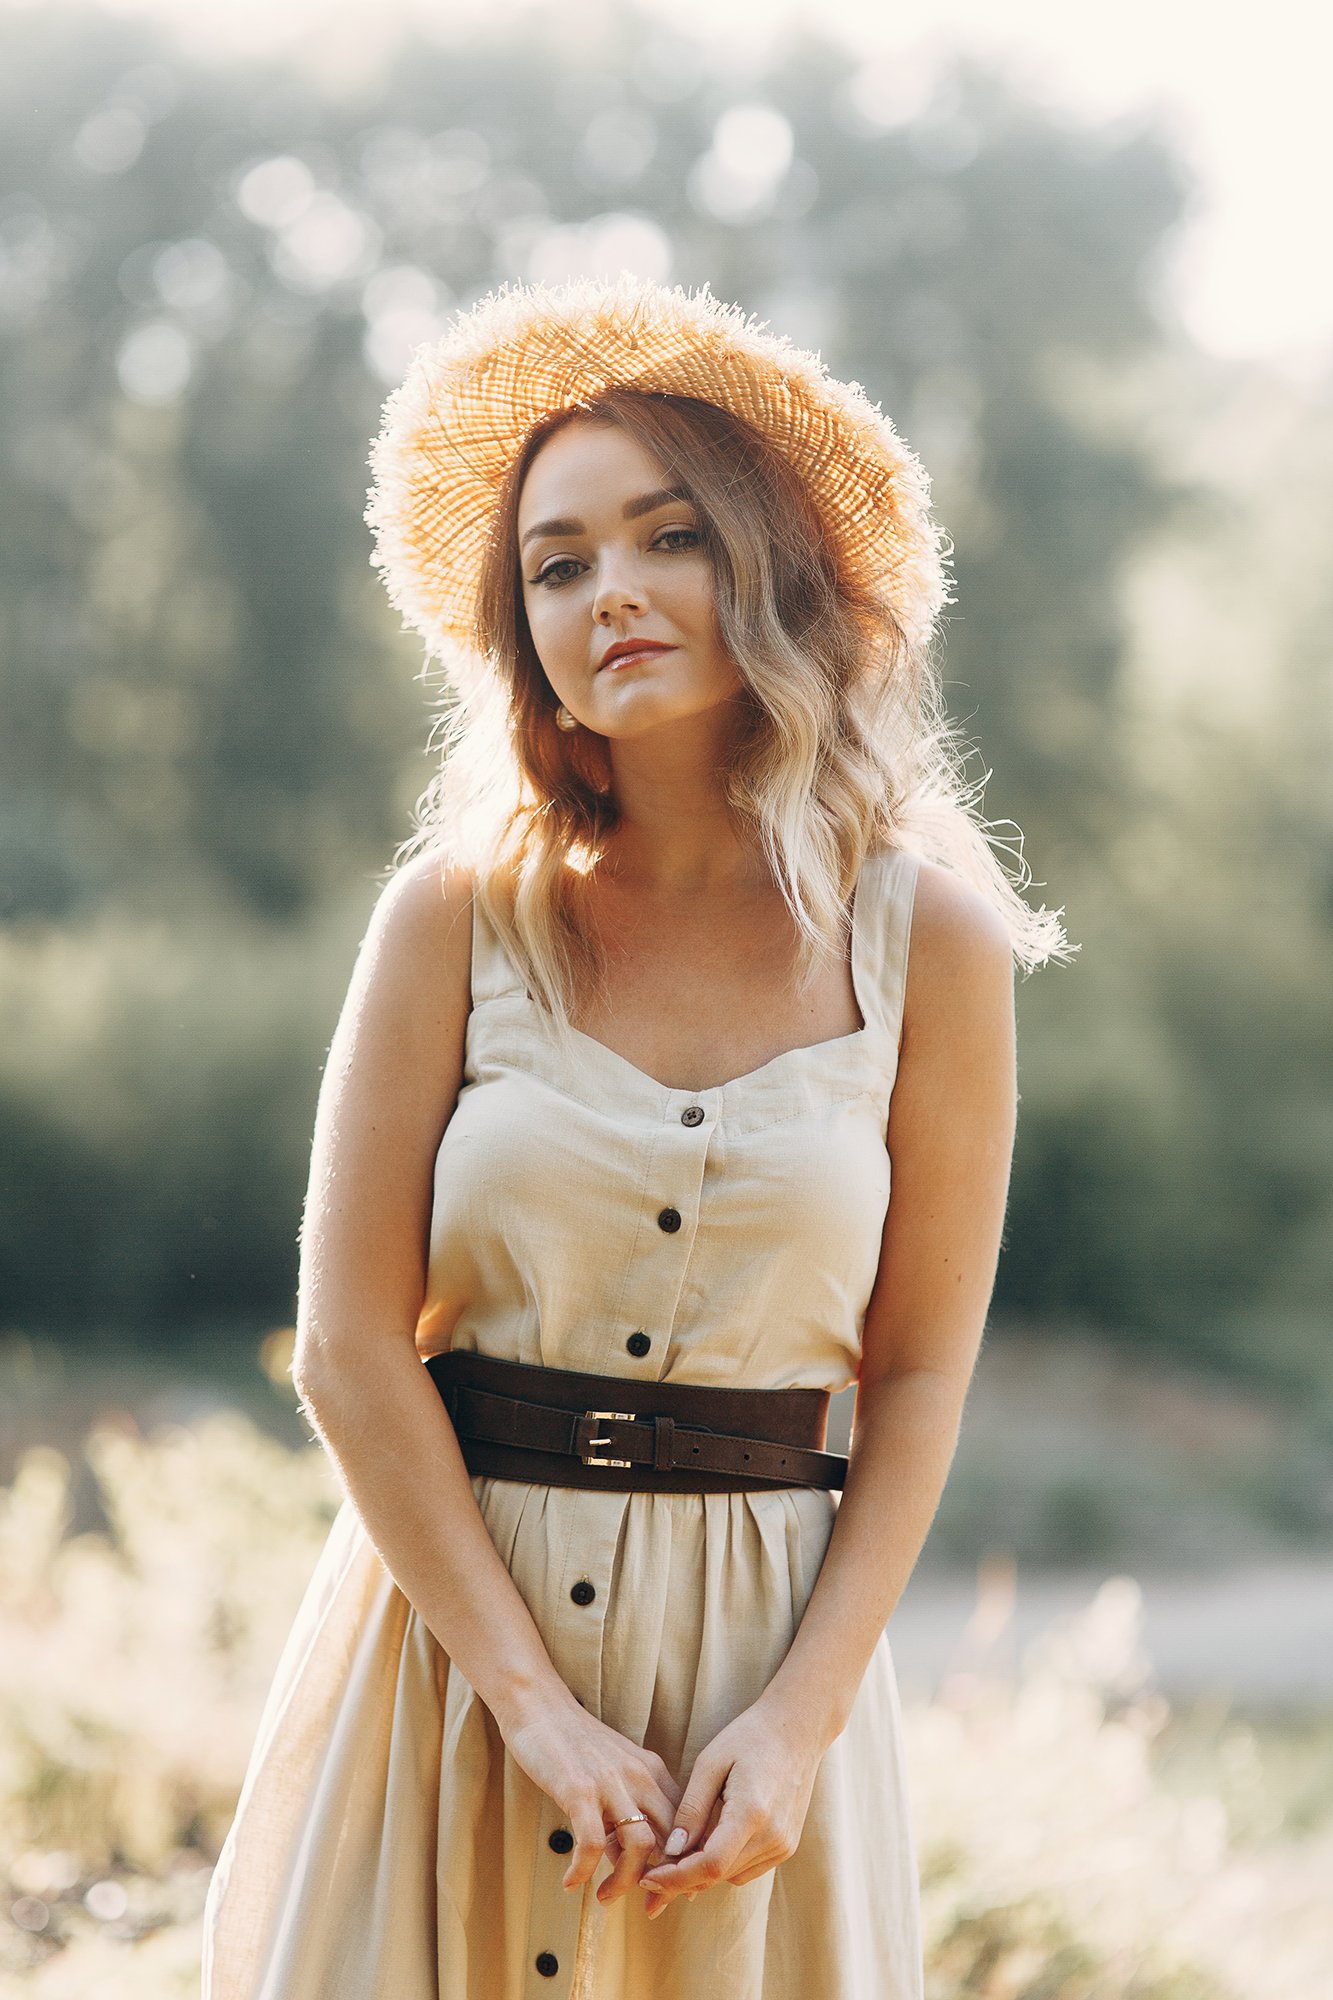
(743, 1807)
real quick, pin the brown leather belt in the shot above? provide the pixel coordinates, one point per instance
(562, 1427)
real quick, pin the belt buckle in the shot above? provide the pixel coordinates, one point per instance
(601, 1416)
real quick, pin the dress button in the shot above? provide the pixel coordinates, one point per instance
(669, 1219)
(638, 1343)
(583, 1591)
(560, 1841)
(547, 1964)
(693, 1114)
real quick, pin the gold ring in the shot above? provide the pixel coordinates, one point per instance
(628, 1817)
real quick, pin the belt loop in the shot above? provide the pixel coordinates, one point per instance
(664, 1429)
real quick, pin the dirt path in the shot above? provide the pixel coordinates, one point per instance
(1261, 1634)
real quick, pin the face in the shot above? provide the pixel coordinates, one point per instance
(608, 558)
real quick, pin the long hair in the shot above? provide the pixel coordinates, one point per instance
(843, 743)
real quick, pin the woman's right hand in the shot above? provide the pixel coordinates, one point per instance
(596, 1776)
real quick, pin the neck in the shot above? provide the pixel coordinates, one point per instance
(677, 835)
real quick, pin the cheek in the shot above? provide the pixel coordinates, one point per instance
(549, 621)
(695, 602)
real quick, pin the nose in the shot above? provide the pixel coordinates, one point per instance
(618, 591)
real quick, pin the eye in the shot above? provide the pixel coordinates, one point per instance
(552, 578)
(549, 574)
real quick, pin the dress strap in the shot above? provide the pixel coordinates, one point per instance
(884, 898)
(494, 973)
(883, 925)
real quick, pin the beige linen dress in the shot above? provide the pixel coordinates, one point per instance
(385, 1845)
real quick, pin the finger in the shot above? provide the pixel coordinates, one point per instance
(663, 1822)
(653, 1877)
(668, 1861)
(588, 1825)
(647, 1786)
(632, 1847)
(715, 1860)
(753, 1870)
(703, 1870)
(697, 1804)
(660, 1806)
(595, 1837)
(652, 1903)
(662, 1893)
(664, 1779)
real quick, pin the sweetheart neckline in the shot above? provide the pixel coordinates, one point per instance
(747, 1076)
(864, 1032)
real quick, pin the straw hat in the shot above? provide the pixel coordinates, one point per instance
(522, 353)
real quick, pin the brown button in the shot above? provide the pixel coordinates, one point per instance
(560, 1841)
(693, 1114)
(669, 1219)
(638, 1343)
(547, 1964)
(583, 1591)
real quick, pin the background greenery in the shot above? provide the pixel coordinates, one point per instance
(213, 731)
(211, 737)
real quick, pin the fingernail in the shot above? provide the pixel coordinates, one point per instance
(676, 1839)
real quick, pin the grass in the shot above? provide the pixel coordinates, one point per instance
(1078, 1839)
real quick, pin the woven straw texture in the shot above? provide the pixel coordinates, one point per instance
(453, 428)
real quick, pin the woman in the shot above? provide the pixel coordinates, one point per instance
(591, 1692)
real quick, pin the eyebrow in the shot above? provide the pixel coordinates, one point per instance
(646, 503)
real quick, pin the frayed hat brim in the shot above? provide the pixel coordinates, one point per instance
(522, 353)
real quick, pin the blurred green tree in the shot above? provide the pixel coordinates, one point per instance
(209, 277)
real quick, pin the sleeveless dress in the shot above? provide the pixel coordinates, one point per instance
(385, 1845)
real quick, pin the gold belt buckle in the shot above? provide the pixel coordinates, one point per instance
(601, 1416)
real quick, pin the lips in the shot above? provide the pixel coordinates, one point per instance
(640, 649)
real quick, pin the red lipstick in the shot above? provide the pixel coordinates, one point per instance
(623, 648)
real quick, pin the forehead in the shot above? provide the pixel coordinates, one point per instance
(591, 457)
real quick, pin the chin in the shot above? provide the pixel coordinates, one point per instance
(649, 716)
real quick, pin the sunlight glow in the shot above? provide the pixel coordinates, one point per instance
(1245, 105)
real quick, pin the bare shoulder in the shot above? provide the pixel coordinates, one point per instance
(390, 1086)
(960, 967)
(422, 922)
(411, 986)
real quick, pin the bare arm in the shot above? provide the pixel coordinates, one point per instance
(394, 1071)
(392, 1079)
(951, 1136)
(951, 1133)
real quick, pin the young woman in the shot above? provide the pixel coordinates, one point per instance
(591, 1692)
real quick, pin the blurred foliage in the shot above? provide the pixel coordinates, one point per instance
(1077, 1840)
(159, 1080)
(209, 277)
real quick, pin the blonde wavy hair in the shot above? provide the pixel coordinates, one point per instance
(843, 746)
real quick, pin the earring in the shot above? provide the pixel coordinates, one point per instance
(563, 718)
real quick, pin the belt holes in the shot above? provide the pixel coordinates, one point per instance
(747, 1454)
